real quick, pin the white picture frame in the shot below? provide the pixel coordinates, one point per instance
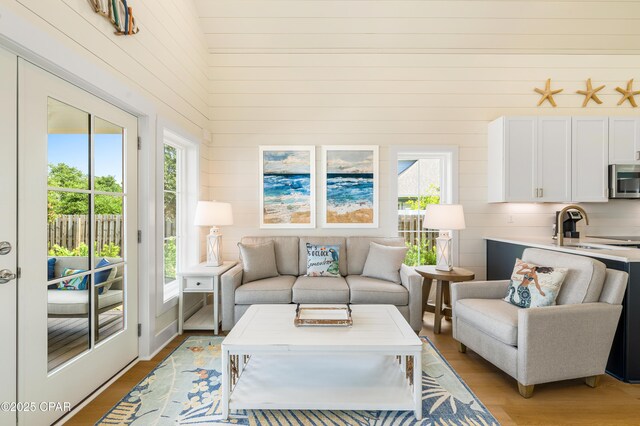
(281, 215)
(349, 209)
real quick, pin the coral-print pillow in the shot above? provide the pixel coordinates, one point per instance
(75, 283)
(534, 286)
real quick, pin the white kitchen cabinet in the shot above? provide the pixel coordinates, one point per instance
(624, 140)
(529, 159)
(590, 159)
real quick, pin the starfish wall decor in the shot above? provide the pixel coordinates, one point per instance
(547, 93)
(628, 94)
(590, 93)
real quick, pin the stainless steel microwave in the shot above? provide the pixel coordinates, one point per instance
(624, 181)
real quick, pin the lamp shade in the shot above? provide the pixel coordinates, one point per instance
(213, 213)
(444, 216)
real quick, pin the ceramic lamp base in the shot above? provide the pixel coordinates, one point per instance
(443, 252)
(214, 247)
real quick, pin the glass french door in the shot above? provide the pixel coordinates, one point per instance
(77, 316)
(8, 235)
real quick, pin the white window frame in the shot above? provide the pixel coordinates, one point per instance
(188, 188)
(449, 179)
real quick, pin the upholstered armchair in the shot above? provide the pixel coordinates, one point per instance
(569, 340)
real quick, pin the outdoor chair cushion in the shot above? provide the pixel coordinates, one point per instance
(76, 302)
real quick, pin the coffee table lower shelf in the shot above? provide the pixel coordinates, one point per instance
(325, 382)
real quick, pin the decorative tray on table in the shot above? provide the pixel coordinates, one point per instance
(323, 316)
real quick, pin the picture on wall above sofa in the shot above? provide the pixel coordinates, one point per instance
(287, 191)
(350, 186)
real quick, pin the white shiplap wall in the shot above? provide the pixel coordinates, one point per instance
(407, 73)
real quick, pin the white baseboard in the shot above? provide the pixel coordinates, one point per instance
(95, 394)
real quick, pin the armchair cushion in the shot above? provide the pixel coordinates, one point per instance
(584, 280)
(268, 290)
(376, 292)
(490, 316)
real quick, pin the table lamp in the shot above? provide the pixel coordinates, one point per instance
(445, 218)
(213, 214)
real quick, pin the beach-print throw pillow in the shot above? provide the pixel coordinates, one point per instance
(533, 286)
(322, 260)
(76, 283)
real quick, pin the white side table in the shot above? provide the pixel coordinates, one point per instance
(201, 279)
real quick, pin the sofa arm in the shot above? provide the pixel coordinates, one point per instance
(565, 341)
(412, 281)
(230, 281)
(478, 290)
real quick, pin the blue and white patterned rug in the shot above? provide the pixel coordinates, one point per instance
(185, 390)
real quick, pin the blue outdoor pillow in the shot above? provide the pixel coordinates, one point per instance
(51, 268)
(102, 276)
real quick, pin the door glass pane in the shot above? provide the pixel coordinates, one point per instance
(170, 260)
(68, 326)
(109, 291)
(108, 156)
(67, 232)
(109, 228)
(68, 146)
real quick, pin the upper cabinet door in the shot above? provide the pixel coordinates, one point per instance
(554, 159)
(590, 158)
(520, 158)
(624, 140)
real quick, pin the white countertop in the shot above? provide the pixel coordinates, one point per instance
(622, 254)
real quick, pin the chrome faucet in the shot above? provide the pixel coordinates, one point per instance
(560, 225)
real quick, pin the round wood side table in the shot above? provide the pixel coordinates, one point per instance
(443, 292)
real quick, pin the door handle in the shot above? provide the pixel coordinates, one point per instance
(5, 248)
(637, 155)
(6, 276)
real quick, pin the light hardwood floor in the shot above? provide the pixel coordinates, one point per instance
(565, 403)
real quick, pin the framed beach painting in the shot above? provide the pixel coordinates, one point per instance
(287, 186)
(350, 186)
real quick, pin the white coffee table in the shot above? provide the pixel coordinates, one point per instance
(269, 364)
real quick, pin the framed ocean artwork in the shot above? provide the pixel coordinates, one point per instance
(287, 186)
(350, 186)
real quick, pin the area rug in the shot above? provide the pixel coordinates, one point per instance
(185, 390)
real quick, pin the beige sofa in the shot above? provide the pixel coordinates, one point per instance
(292, 286)
(538, 345)
(75, 303)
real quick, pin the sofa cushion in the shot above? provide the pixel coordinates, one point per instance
(269, 290)
(376, 292)
(584, 280)
(320, 290)
(258, 261)
(286, 252)
(62, 302)
(384, 262)
(340, 241)
(494, 317)
(358, 248)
